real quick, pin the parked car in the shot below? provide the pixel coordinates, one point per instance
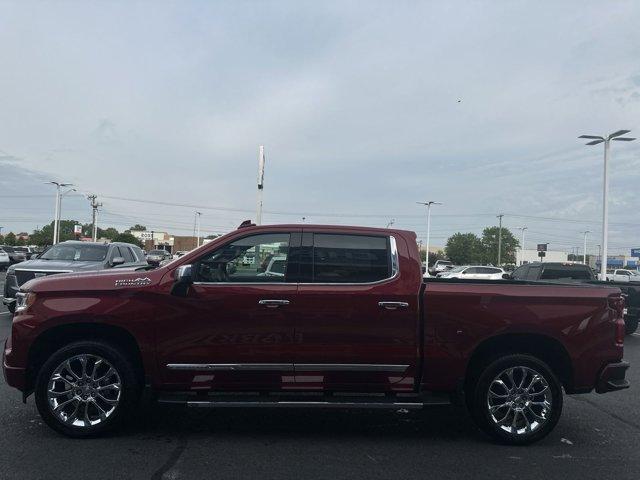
(577, 273)
(345, 324)
(180, 253)
(474, 272)
(14, 256)
(623, 275)
(155, 257)
(440, 266)
(5, 261)
(29, 252)
(71, 256)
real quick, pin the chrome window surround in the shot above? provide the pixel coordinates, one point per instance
(395, 271)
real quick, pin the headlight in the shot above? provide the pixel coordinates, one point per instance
(24, 301)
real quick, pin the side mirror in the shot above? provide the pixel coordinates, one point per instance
(507, 276)
(117, 261)
(183, 280)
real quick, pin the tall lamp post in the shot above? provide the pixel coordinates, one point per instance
(616, 136)
(428, 205)
(522, 229)
(584, 251)
(56, 217)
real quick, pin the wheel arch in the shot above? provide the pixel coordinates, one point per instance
(54, 338)
(541, 346)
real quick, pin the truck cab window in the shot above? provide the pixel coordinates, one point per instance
(258, 258)
(350, 258)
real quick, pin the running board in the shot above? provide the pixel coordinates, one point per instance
(310, 401)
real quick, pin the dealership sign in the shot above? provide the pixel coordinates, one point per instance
(635, 252)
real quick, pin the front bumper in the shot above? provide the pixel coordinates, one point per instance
(14, 376)
(611, 378)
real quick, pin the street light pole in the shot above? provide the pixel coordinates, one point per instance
(500, 240)
(428, 205)
(615, 136)
(56, 218)
(522, 229)
(584, 251)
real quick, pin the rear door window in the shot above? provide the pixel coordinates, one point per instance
(350, 258)
(565, 273)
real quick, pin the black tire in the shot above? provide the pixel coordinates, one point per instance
(630, 324)
(479, 403)
(128, 396)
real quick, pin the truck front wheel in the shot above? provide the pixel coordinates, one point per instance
(517, 399)
(86, 388)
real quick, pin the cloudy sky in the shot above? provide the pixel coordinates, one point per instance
(364, 108)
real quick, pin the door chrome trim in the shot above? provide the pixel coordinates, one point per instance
(226, 367)
(273, 303)
(393, 305)
(349, 367)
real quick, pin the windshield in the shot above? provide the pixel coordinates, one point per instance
(456, 270)
(8, 249)
(21, 249)
(156, 252)
(76, 253)
(443, 262)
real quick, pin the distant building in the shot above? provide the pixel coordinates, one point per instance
(153, 240)
(529, 256)
(22, 236)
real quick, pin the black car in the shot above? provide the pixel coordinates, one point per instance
(580, 273)
(71, 256)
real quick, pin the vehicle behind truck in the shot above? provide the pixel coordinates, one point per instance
(568, 272)
(347, 323)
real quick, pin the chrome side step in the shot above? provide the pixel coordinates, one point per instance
(312, 401)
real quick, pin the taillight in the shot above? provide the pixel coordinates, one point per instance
(617, 305)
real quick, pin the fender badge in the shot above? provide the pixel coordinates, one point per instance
(133, 282)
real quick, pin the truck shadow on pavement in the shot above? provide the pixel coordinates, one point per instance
(438, 423)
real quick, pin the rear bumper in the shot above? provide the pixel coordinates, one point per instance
(612, 378)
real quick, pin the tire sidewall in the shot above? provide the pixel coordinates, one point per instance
(481, 413)
(118, 360)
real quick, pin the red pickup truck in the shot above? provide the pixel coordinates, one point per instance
(345, 321)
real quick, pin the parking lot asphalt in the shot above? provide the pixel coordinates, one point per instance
(597, 437)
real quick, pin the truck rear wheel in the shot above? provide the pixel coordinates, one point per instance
(86, 388)
(517, 400)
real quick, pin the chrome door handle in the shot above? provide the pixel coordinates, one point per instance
(273, 303)
(393, 305)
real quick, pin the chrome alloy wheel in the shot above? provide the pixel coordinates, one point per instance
(519, 400)
(84, 390)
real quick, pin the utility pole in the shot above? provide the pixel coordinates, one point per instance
(56, 218)
(428, 205)
(584, 252)
(261, 161)
(500, 240)
(94, 215)
(522, 229)
(618, 137)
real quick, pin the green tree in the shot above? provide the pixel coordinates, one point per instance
(1, 239)
(10, 239)
(464, 249)
(138, 228)
(128, 238)
(490, 246)
(109, 233)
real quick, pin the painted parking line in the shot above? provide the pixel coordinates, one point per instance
(6, 313)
